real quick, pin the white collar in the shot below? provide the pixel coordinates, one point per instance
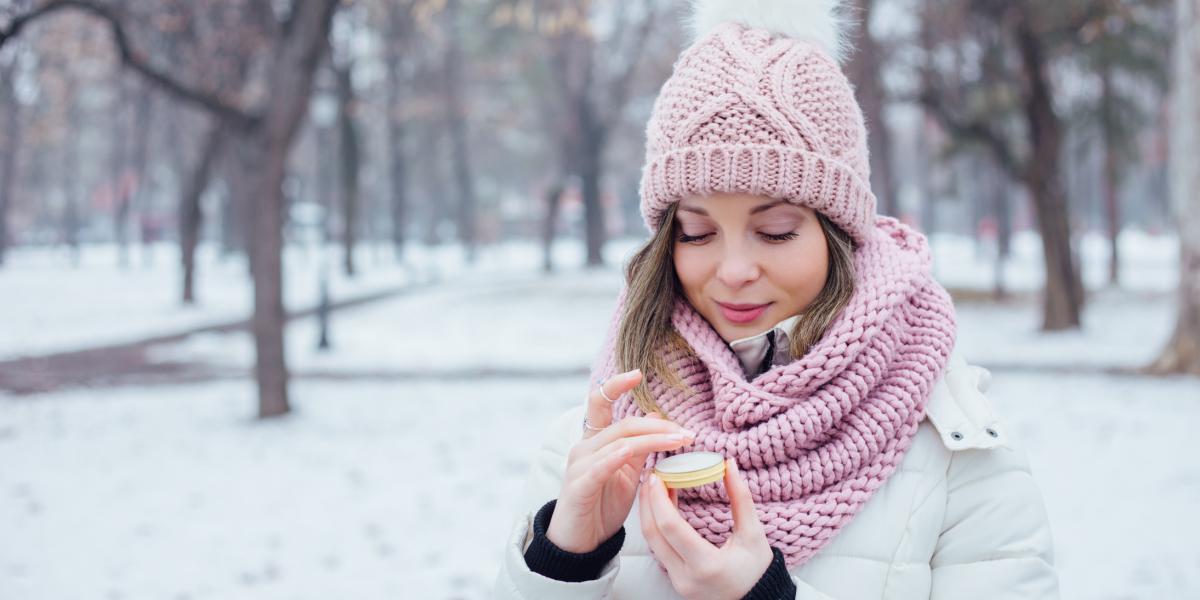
(753, 349)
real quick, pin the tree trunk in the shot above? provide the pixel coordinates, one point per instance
(326, 174)
(8, 160)
(396, 130)
(399, 173)
(438, 187)
(1112, 208)
(190, 213)
(593, 211)
(1000, 215)
(71, 217)
(1062, 299)
(456, 115)
(590, 166)
(261, 165)
(553, 202)
(141, 145)
(1182, 353)
(118, 148)
(350, 163)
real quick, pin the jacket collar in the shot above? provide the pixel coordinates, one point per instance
(752, 351)
(959, 410)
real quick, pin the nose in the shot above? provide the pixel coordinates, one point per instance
(738, 267)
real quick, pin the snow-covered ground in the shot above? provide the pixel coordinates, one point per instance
(369, 490)
(1148, 262)
(52, 305)
(402, 484)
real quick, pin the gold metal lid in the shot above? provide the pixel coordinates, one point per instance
(690, 469)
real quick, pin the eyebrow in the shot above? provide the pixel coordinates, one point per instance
(753, 211)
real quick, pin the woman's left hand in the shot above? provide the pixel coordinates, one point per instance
(697, 569)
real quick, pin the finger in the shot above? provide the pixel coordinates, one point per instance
(677, 532)
(589, 477)
(741, 502)
(641, 445)
(599, 410)
(637, 448)
(654, 539)
(631, 426)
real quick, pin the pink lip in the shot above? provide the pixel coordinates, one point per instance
(742, 313)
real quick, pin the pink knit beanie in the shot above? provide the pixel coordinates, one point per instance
(758, 105)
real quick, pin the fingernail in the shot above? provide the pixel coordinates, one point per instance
(630, 374)
(653, 479)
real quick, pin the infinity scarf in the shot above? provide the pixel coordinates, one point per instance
(816, 437)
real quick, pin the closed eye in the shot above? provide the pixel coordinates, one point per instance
(687, 239)
(782, 237)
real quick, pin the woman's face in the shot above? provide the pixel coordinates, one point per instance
(748, 262)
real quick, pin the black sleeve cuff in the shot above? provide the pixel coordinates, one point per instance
(776, 583)
(546, 559)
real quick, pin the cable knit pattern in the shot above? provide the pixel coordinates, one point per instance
(747, 112)
(816, 437)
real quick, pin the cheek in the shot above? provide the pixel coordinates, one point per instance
(689, 267)
(804, 270)
(690, 271)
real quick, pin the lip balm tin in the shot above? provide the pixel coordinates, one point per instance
(690, 469)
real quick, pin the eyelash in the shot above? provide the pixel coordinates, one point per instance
(783, 237)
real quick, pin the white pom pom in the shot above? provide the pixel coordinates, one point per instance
(821, 22)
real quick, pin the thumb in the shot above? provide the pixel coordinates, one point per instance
(741, 502)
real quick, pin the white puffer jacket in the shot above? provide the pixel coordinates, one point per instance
(962, 518)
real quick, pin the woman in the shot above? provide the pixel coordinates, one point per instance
(774, 318)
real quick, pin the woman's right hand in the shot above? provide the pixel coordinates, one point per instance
(603, 469)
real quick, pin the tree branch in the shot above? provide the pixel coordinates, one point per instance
(621, 86)
(976, 130)
(135, 60)
(263, 14)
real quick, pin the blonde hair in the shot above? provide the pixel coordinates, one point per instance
(647, 339)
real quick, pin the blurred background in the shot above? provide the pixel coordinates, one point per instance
(290, 290)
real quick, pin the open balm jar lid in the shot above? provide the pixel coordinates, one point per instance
(690, 469)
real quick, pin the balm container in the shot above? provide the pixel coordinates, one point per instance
(690, 469)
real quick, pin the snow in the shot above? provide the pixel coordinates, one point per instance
(399, 471)
(1121, 484)
(1148, 262)
(51, 305)
(369, 490)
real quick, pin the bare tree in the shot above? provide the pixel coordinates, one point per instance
(590, 58)
(998, 93)
(1006, 33)
(1125, 50)
(262, 127)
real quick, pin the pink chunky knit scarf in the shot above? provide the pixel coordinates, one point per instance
(816, 437)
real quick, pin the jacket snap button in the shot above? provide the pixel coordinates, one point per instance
(956, 435)
(992, 432)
